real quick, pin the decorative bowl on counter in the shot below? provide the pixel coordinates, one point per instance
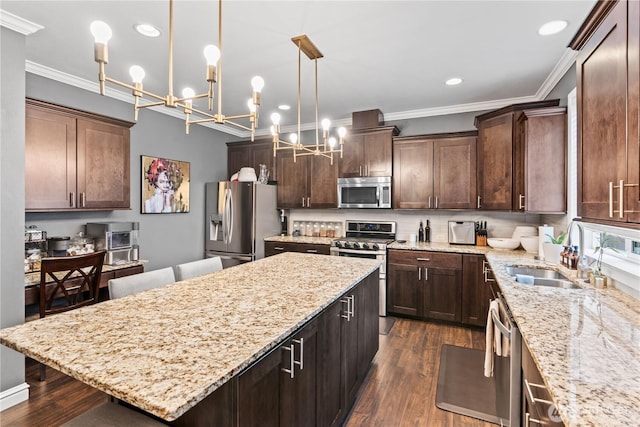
(530, 243)
(524, 230)
(503, 243)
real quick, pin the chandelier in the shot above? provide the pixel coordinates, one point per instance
(102, 33)
(329, 145)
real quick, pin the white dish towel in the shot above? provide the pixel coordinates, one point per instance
(492, 334)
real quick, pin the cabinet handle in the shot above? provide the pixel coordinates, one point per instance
(72, 200)
(352, 309)
(312, 251)
(528, 420)
(301, 361)
(479, 200)
(426, 274)
(303, 202)
(347, 314)
(429, 202)
(528, 386)
(485, 270)
(521, 202)
(610, 199)
(621, 196)
(423, 259)
(291, 361)
(366, 170)
(308, 202)
(419, 273)
(436, 202)
(278, 248)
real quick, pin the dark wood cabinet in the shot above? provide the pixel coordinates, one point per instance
(75, 160)
(251, 154)
(274, 248)
(435, 171)
(368, 152)
(313, 377)
(476, 294)
(538, 407)
(309, 182)
(499, 171)
(426, 285)
(607, 69)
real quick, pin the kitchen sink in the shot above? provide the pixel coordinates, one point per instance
(541, 277)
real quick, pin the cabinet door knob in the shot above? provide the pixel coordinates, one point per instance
(479, 204)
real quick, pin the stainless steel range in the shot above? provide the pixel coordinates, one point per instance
(368, 240)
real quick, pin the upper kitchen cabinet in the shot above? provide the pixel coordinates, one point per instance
(498, 169)
(75, 160)
(367, 152)
(309, 182)
(251, 154)
(435, 171)
(539, 162)
(607, 69)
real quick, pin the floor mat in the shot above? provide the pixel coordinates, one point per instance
(463, 388)
(386, 323)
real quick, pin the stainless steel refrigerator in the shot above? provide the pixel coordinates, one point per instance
(239, 216)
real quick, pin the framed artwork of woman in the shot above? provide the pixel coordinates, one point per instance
(165, 185)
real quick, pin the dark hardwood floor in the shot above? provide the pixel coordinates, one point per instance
(399, 390)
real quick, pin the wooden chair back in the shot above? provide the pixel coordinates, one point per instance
(69, 282)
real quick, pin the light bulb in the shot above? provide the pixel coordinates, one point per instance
(332, 142)
(342, 132)
(101, 32)
(188, 93)
(137, 73)
(251, 105)
(326, 124)
(293, 137)
(275, 118)
(212, 54)
(258, 83)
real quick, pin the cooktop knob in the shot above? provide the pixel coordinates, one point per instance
(365, 246)
(375, 247)
(336, 243)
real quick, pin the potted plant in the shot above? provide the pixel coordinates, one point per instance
(553, 248)
(598, 279)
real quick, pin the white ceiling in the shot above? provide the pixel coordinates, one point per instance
(392, 55)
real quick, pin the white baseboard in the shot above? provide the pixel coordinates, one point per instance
(13, 396)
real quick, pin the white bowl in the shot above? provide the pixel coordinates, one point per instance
(247, 175)
(530, 243)
(503, 243)
(524, 230)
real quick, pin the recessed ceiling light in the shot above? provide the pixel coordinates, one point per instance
(453, 81)
(552, 27)
(147, 30)
(284, 107)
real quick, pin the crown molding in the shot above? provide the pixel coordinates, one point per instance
(18, 24)
(559, 70)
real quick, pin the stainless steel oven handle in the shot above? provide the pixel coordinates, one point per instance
(360, 251)
(503, 329)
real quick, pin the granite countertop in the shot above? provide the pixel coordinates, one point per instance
(585, 342)
(33, 278)
(166, 349)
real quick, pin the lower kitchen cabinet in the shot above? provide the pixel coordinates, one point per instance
(275, 248)
(538, 407)
(314, 376)
(426, 285)
(476, 294)
(276, 391)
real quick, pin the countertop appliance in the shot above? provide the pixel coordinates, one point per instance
(239, 216)
(462, 232)
(366, 192)
(368, 240)
(118, 238)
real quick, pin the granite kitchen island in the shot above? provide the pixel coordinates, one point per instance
(168, 349)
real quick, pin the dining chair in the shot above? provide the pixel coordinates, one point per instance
(67, 283)
(197, 268)
(123, 286)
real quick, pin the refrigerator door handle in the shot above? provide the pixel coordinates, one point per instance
(231, 215)
(225, 217)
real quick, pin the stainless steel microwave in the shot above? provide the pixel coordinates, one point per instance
(366, 192)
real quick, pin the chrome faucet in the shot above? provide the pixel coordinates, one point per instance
(582, 266)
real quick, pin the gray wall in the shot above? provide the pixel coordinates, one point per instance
(165, 239)
(564, 86)
(12, 118)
